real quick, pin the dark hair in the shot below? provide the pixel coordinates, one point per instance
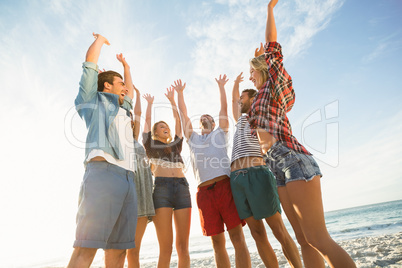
(107, 76)
(250, 92)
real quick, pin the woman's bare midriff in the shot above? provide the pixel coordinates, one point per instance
(265, 139)
(205, 183)
(97, 159)
(246, 162)
(160, 171)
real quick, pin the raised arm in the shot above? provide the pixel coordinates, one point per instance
(148, 113)
(187, 126)
(137, 113)
(223, 113)
(170, 96)
(94, 50)
(236, 97)
(270, 30)
(127, 75)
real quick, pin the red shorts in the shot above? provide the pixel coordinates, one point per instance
(216, 207)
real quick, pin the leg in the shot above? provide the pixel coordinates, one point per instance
(289, 247)
(182, 220)
(242, 255)
(259, 234)
(164, 232)
(114, 258)
(82, 257)
(307, 203)
(311, 257)
(221, 255)
(133, 254)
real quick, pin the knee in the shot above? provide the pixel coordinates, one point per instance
(309, 241)
(182, 249)
(133, 252)
(301, 240)
(237, 238)
(218, 242)
(165, 249)
(258, 234)
(85, 252)
(318, 242)
(280, 232)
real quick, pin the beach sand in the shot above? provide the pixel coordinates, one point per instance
(379, 251)
(367, 252)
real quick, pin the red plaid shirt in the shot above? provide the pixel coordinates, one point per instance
(274, 100)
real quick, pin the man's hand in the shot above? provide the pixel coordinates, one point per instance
(122, 59)
(239, 78)
(148, 98)
(259, 51)
(170, 94)
(222, 80)
(178, 86)
(101, 38)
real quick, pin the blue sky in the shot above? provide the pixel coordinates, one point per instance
(344, 58)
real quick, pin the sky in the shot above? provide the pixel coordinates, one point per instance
(344, 57)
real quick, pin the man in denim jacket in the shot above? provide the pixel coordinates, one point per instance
(107, 212)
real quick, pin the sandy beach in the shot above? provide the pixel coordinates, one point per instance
(379, 251)
(367, 252)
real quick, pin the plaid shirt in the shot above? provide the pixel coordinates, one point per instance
(274, 100)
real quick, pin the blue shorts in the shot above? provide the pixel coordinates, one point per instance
(289, 165)
(171, 192)
(107, 208)
(254, 192)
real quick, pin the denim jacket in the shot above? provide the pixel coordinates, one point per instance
(98, 110)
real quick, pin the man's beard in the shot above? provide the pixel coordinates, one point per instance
(245, 108)
(206, 124)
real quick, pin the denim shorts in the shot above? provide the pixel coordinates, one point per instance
(107, 212)
(289, 165)
(171, 192)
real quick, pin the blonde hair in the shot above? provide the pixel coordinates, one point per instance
(259, 64)
(154, 137)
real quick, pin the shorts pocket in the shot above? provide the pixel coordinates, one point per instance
(287, 161)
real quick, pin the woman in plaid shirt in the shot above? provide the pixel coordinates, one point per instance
(297, 173)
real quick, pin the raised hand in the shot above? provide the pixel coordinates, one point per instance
(170, 94)
(101, 71)
(222, 80)
(148, 98)
(272, 3)
(239, 78)
(120, 58)
(101, 38)
(259, 51)
(178, 86)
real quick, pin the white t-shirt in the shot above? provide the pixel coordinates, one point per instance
(123, 124)
(209, 155)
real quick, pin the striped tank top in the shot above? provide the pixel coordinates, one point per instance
(244, 144)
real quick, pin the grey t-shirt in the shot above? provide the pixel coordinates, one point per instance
(209, 155)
